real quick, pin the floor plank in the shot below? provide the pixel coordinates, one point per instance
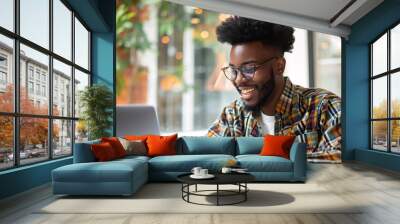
(377, 190)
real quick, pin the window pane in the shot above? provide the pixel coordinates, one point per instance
(6, 74)
(81, 131)
(81, 45)
(34, 72)
(62, 138)
(33, 139)
(35, 21)
(379, 55)
(7, 14)
(379, 135)
(81, 81)
(6, 142)
(395, 138)
(62, 89)
(395, 95)
(327, 49)
(379, 97)
(395, 47)
(62, 29)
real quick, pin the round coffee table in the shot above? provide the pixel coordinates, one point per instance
(238, 179)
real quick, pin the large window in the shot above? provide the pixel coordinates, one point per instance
(385, 95)
(44, 64)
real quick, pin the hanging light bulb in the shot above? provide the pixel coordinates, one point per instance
(165, 39)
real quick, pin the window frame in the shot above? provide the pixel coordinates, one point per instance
(388, 74)
(16, 114)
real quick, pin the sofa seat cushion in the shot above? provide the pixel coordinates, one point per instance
(112, 171)
(185, 163)
(257, 163)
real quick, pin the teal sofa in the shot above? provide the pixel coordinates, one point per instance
(125, 176)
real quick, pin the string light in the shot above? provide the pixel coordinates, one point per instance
(198, 11)
(195, 21)
(204, 34)
(179, 55)
(165, 39)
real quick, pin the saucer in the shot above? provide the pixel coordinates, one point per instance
(208, 176)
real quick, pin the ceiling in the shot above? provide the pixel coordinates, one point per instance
(326, 16)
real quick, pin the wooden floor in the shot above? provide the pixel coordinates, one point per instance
(377, 188)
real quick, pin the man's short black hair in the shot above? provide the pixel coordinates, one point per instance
(238, 30)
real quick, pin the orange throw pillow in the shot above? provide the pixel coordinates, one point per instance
(161, 145)
(116, 145)
(136, 137)
(103, 152)
(277, 146)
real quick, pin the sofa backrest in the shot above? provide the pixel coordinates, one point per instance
(192, 145)
(249, 145)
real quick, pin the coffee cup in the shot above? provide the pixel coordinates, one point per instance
(196, 171)
(226, 170)
(203, 172)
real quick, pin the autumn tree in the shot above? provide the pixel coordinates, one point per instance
(33, 131)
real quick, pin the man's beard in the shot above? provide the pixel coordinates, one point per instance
(266, 91)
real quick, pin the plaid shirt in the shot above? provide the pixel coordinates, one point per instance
(313, 115)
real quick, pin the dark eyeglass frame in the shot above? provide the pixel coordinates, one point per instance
(240, 69)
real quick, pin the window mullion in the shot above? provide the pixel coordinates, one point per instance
(389, 106)
(50, 81)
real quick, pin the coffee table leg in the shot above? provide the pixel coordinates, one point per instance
(245, 193)
(196, 188)
(217, 194)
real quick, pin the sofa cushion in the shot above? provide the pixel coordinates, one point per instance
(103, 152)
(249, 145)
(257, 163)
(185, 163)
(196, 145)
(111, 171)
(116, 145)
(277, 145)
(161, 145)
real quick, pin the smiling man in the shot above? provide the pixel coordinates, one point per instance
(269, 102)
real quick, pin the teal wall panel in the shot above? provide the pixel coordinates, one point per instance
(355, 76)
(99, 16)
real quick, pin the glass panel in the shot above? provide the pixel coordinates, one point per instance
(62, 138)
(379, 98)
(379, 135)
(327, 52)
(62, 89)
(34, 79)
(395, 47)
(35, 21)
(6, 142)
(81, 45)
(81, 81)
(6, 74)
(7, 14)
(379, 55)
(395, 135)
(33, 139)
(395, 95)
(81, 131)
(62, 29)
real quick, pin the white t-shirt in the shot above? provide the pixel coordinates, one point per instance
(267, 124)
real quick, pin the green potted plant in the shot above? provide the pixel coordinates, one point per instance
(96, 102)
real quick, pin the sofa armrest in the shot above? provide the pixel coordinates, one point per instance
(298, 156)
(83, 152)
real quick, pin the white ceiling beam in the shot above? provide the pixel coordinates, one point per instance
(348, 12)
(270, 15)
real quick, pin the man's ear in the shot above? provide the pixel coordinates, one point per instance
(279, 66)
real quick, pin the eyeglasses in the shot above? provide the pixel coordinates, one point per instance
(247, 71)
